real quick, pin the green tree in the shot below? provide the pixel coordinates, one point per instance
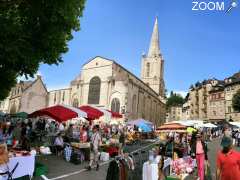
(236, 101)
(174, 100)
(34, 32)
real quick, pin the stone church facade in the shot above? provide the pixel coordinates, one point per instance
(26, 96)
(105, 83)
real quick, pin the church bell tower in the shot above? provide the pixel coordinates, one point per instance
(153, 64)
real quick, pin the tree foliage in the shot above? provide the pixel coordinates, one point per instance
(174, 100)
(236, 101)
(34, 32)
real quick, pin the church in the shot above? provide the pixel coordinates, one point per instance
(104, 83)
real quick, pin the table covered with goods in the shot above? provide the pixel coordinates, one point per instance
(178, 169)
(151, 168)
(21, 163)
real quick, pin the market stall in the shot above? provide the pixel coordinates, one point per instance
(142, 129)
(174, 150)
(66, 132)
(60, 113)
(92, 113)
(100, 114)
(151, 169)
(171, 127)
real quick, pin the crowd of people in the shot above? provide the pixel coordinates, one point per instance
(22, 133)
(15, 135)
(195, 144)
(26, 134)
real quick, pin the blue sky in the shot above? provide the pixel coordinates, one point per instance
(195, 44)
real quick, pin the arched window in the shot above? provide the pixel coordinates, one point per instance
(63, 97)
(75, 103)
(94, 90)
(148, 69)
(55, 97)
(134, 103)
(13, 109)
(115, 105)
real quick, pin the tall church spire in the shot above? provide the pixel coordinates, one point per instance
(152, 72)
(154, 49)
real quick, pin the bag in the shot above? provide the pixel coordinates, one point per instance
(67, 153)
(77, 157)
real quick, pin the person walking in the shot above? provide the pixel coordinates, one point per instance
(228, 161)
(199, 151)
(95, 143)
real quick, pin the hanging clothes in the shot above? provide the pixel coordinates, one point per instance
(113, 172)
(121, 169)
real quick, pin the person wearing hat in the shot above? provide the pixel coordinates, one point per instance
(199, 151)
(228, 161)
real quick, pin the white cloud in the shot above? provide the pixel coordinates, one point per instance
(181, 92)
(22, 78)
(56, 87)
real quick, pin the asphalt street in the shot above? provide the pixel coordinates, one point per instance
(60, 169)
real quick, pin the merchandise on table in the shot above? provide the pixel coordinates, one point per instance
(151, 170)
(183, 165)
(104, 156)
(80, 145)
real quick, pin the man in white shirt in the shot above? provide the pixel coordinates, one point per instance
(95, 143)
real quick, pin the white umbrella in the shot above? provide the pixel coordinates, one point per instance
(78, 111)
(235, 124)
(209, 125)
(107, 114)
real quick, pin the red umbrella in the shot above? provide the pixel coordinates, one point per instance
(115, 114)
(92, 113)
(58, 113)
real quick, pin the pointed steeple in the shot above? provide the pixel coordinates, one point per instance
(154, 49)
